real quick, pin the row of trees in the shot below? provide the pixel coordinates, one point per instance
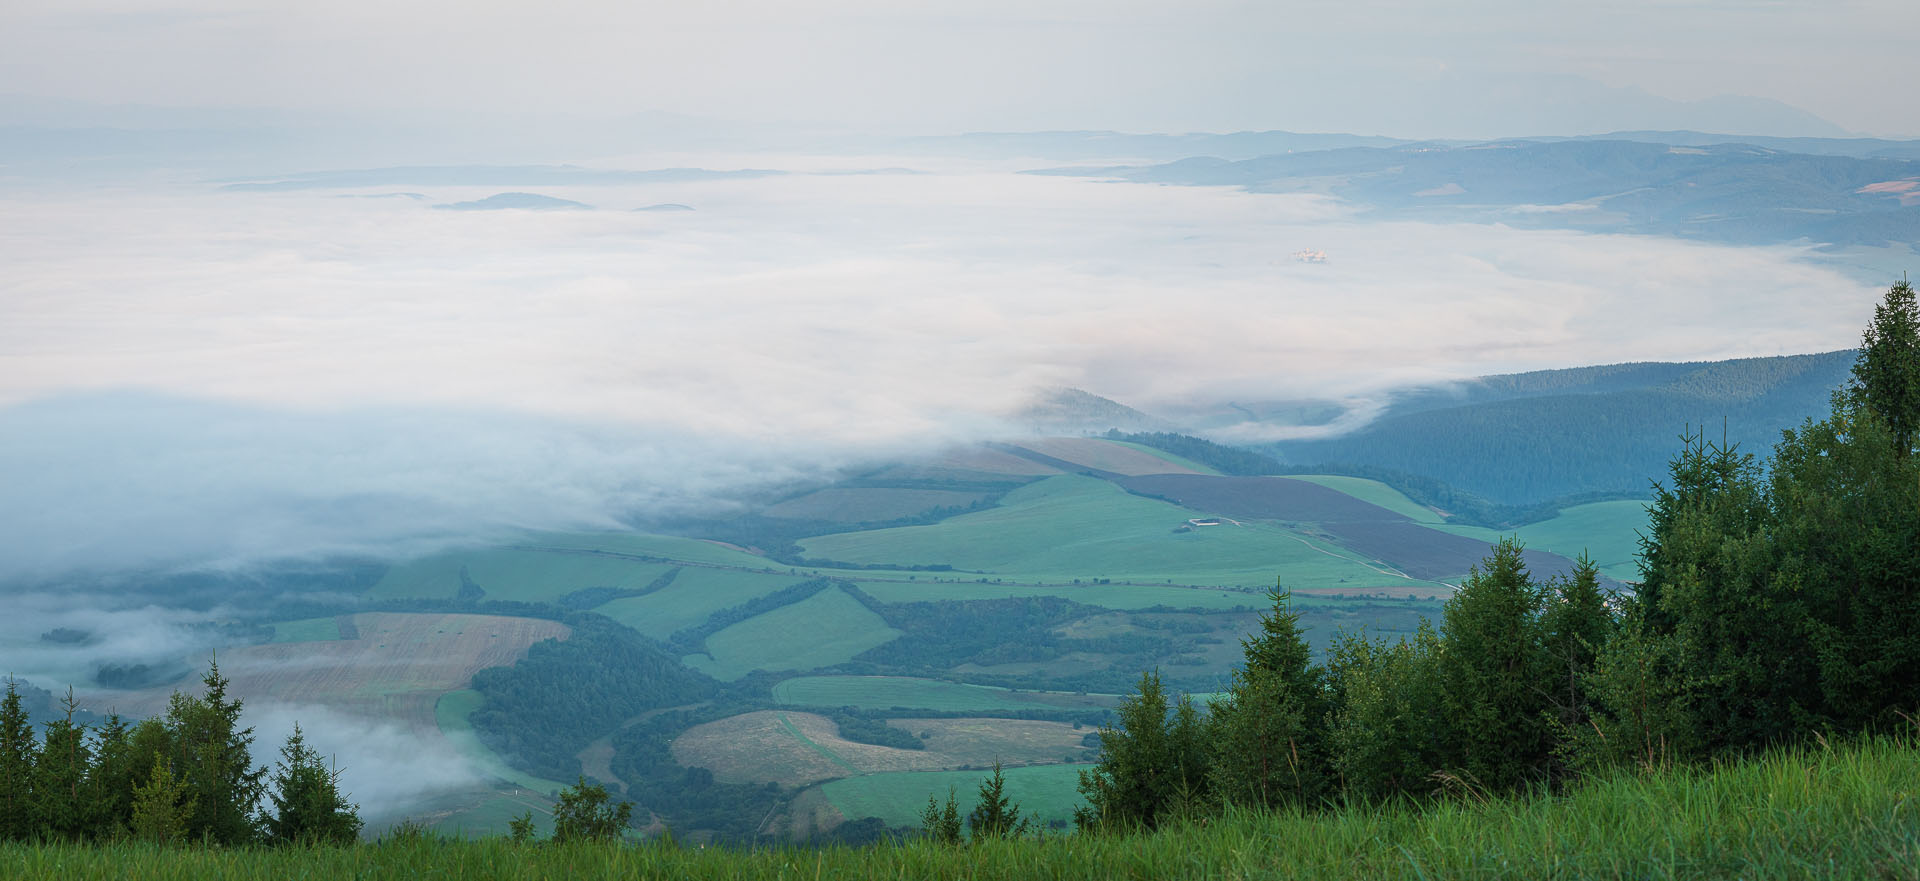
(185, 775)
(1776, 603)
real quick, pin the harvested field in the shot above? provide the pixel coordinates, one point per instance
(1429, 554)
(870, 504)
(1258, 498)
(397, 668)
(789, 748)
(1105, 455)
(796, 749)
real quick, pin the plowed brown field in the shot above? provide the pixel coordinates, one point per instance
(400, 664)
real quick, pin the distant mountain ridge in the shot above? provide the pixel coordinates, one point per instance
(1528, 437)
(1728, 192)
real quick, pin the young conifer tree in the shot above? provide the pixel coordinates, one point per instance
(996, 816)
(308, 807)
(18, 752)
(1576, 625)
(1886, 374)
(1268, 733)
(1135, 777)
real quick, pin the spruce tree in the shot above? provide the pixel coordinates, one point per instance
(995, 816)
(1133, 781)
(18, 752)
(1886, 374)
(1575, 626)
(60, 793)
(1268, 732)
(162, 806)
(308, 807)
(1492, 668)
(110, 787)
(942, 824)
(213, 757)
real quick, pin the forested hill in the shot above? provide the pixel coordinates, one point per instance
(1527, 437)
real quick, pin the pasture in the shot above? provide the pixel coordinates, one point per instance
(692, 598)
(1258, 498)
(1071, 526)
(912, 693)
(978, 742)
(1110, 596)
(1043, 792)
(1607, 531)
(822, 630)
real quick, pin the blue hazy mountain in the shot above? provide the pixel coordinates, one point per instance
(1734, 193)
(517, 201)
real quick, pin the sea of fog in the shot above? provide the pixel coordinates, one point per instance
(191, 374)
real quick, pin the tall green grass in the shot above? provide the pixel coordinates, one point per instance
(1850, 812)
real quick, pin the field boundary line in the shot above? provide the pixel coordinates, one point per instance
(830, 754)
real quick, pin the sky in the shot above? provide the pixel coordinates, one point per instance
(1473, 68)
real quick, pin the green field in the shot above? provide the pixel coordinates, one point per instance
(1071, 526)
(692, 598)
(518, 575)
(307, 630)
(888, 692)
(1121, 597)
(1043, 792)
(1376, 493)
(822, 630)
(1609, 531)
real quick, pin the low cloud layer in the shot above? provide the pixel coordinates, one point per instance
(216, 377)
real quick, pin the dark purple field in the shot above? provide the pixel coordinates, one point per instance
(1430, 554)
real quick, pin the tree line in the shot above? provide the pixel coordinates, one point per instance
(184, 775)
(1778, 601)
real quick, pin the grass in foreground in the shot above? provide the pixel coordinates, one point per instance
(1850, 812)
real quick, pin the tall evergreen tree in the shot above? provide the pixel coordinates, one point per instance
(213, 757)
(1886, 374)
(18, 750)
(1268, 732)
(1492, 667)
(1575, 626)
(60, 793)
(110, 787)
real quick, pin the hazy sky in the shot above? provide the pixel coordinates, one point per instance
(1470, 68)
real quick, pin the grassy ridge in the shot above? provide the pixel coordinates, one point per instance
(1849, 812)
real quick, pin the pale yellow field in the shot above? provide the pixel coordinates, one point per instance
(796, 749)
(400, 664)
